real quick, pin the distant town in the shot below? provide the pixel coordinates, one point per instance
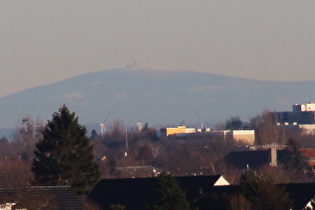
(274, 152)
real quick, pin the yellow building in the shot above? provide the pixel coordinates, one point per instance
(245, 136)
(173, 130)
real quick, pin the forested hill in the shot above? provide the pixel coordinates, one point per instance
(155, 96)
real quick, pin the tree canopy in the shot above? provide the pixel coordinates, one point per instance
(266, 128)
(65, 156)
(168, 194)
(234, 123)
(263, 193)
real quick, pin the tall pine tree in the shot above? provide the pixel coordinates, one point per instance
(65, 156)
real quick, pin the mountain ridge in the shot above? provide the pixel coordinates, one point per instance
(158, 97)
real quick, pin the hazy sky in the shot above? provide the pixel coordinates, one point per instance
(46, 41)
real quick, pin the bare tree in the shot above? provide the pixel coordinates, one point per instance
(28, 133)
(15, 173)
(267, 130)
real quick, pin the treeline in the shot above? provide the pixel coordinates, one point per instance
(16, 154)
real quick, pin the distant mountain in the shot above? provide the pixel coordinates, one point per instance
(155, 96)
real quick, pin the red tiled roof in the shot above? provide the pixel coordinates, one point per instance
(309, 152)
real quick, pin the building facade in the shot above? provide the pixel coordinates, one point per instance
(181, 132)
(301, 114)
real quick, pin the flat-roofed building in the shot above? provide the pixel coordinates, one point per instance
(246, 136)
(181, 132)
(172, 130)
(301, 114)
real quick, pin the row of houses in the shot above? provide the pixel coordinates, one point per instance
(136, 193)
(133, 193)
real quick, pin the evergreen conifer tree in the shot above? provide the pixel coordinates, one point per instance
(65, 156)
(294, 159)
(168, 194)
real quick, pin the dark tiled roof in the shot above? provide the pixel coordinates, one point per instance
(193, 185)
(253, 158)
(41, 197)
(299, 193)
(134, 193)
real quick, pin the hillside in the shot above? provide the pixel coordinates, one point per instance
(154, 96)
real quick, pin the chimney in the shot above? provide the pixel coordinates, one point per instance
(273, 155)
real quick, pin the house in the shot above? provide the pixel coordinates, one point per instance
(254, 159)
(135, 193)
(39, 197)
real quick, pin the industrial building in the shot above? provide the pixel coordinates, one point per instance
(181, 129)
(302, 116)
(181, 132)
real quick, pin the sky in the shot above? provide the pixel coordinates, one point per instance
(44, 41)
